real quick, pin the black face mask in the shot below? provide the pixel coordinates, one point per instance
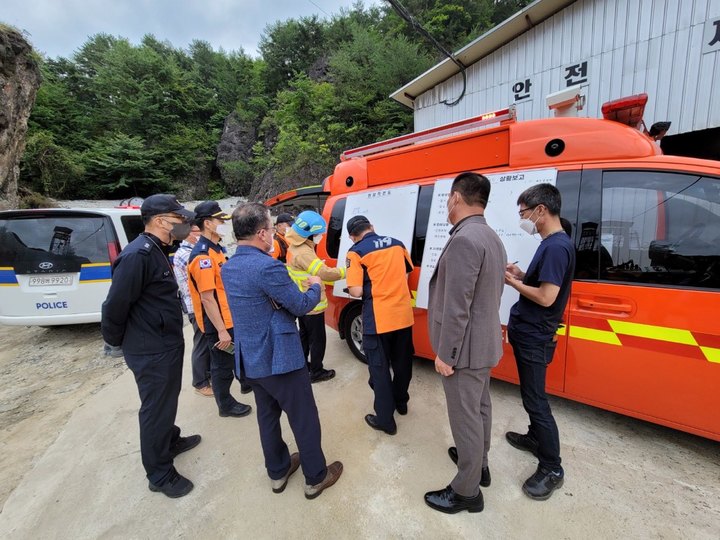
(180, 231)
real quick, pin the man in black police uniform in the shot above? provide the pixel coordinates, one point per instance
(142, 314)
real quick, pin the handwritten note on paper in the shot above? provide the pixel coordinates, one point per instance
(501, 214)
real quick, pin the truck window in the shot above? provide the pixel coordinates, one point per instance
(422, 215)
(335, 228)
(568, 182)
(660, 228)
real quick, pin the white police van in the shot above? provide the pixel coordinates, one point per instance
(55, 264)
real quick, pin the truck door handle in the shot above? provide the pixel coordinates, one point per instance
(603, 306)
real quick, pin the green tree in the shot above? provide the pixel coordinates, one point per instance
(122, 165)
(289, 48)
(54, 169)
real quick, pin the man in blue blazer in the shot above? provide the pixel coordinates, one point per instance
(264, 303)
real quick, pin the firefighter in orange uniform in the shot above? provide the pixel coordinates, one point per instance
(211, 308)
(377, 268)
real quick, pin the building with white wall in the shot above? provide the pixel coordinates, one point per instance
(607, 49)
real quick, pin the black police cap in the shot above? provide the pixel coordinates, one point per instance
(285, 218)
(208, 209)
(163, 203)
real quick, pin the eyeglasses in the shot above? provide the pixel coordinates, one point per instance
(166, 216)
(523, 210)
(271, 229)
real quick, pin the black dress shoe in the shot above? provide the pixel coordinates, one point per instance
(401, 408)
(542, 484)
(176, 486)
(484, 475)
(183, 444)
(371, 420)
(522, 442)
(323, 375)
(449, 502)
(245, 388)
(238, 410)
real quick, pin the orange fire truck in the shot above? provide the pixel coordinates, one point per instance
(640, 334)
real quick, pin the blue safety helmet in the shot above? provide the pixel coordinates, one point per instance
(309, 223)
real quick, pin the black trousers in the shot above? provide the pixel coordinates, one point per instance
(290, 393)
(222, 371)
(385, 351)
(158, 378)
(200, 356)
(314, 341)
(532, 361)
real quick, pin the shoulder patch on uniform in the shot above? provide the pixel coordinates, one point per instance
(205, 263)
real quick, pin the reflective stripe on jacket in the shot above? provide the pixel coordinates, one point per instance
(303, 263)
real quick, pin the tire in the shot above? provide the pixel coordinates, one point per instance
(353, 329)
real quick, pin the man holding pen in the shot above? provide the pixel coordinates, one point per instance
(544, 291)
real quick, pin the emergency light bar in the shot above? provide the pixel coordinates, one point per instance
(627, 110)
(501, 116)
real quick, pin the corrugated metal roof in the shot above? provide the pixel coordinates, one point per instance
(490, 41)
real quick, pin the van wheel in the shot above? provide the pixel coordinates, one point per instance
(354, 331)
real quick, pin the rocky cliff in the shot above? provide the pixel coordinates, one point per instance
(19, 81)
(234, 153)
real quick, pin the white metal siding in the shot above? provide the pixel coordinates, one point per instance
(632, 46)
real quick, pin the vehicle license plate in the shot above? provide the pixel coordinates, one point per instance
(44, 281)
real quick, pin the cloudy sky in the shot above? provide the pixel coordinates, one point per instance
(59, 27)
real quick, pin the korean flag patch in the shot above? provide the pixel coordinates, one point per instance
(205, 263)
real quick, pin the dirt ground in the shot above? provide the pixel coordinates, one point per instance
(45, 374)
(70, 432)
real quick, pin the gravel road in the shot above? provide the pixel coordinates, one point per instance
(45, 374)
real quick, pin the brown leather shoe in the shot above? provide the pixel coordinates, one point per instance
(278, 486)
(334, 471)
(206, 391)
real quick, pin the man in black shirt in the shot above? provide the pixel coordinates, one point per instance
(142, 314)
(544, 291)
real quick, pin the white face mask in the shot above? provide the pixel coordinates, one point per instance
(317, 238)
(270, 245)
(528, 225)
(223, 230)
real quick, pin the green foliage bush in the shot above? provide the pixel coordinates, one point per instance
(32, 199)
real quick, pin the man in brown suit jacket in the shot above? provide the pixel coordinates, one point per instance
(465, 332)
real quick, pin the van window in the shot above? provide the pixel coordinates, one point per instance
(335, 228)
(660, 228)
(133, 226)
(53, 243)
(422, 217)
